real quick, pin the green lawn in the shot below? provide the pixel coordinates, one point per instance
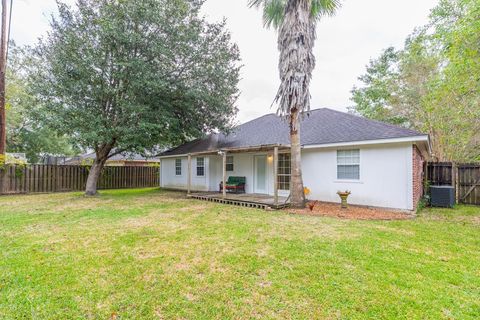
(154, 255)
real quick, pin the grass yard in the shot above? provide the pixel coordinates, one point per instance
(151, 254)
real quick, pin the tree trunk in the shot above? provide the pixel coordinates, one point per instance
(93, 175)
(295, 42)
(3, 67)
(101, 158)
(297, 195)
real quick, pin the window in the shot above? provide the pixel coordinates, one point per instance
(200, 167)
(348, 164)
(229, 165)
(284, 171)
(178, 167)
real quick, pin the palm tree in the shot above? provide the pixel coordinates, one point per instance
(295, 21)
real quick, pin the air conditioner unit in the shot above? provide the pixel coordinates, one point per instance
(442, 196)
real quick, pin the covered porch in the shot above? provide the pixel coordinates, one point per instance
(254, 163)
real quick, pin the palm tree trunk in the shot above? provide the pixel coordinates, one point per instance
(297, 195)
(295, 42)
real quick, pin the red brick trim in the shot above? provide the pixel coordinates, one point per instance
(417, 162)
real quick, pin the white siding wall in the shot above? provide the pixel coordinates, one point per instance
(168, 179)
(385, 176)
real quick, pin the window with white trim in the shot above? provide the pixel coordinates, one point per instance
(348, 164)
(229, 163)
(284, 171)
(200, 167)
(178, 167)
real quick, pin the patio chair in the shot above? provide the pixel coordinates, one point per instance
(234, 184)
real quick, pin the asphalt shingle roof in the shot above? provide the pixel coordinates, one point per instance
(321, 126)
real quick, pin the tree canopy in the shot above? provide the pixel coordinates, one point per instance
(136, 75)
(25, 132)
(274, 10)
(433, 83)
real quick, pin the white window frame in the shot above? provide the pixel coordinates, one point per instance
(349, 157)
(200, 166)
(177, 161)
(283, 176)
(230, 163)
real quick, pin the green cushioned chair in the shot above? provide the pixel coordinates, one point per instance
(234, 184)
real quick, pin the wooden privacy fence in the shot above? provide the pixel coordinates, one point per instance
(61, 178)
(465, 177)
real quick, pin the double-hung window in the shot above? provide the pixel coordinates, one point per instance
(200, 167)
(348, 164)
(284, 171)
(229, 164)
(178, 167)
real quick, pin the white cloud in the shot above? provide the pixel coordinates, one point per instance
(345, 43)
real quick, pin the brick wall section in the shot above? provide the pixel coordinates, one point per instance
(417, 176)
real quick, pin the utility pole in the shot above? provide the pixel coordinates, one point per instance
(3, 68)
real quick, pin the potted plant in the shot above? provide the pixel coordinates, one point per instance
(310, 204)
(343, 196)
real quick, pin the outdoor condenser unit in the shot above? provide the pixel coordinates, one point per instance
(442, 196)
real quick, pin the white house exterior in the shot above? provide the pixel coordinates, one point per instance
(382, 167)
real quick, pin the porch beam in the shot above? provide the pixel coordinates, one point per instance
(275, 176)
(262, 148)
(189, 176)
(224, 179)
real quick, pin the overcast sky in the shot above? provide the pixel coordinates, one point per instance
(346, 42)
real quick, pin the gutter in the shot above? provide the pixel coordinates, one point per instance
(421, 138)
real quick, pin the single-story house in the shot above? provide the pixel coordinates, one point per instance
(381, 164)
(123, 159)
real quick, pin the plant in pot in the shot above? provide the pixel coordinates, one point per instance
(311, 204)
(344, 196)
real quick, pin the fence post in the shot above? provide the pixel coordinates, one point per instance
(3, 178)
(55, 174)
(455, 179)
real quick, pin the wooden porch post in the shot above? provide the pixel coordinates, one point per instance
(275, 176)
(189, 177)
(224, 170)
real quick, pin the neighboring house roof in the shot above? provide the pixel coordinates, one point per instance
(16, 156)
(320, 126)
(117, 157)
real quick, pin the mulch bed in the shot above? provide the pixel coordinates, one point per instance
(353, 212)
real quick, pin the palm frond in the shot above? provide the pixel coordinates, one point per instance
(273, 11)
(321, 8)
(255, 3)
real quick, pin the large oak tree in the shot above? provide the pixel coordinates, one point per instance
(135, 75)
